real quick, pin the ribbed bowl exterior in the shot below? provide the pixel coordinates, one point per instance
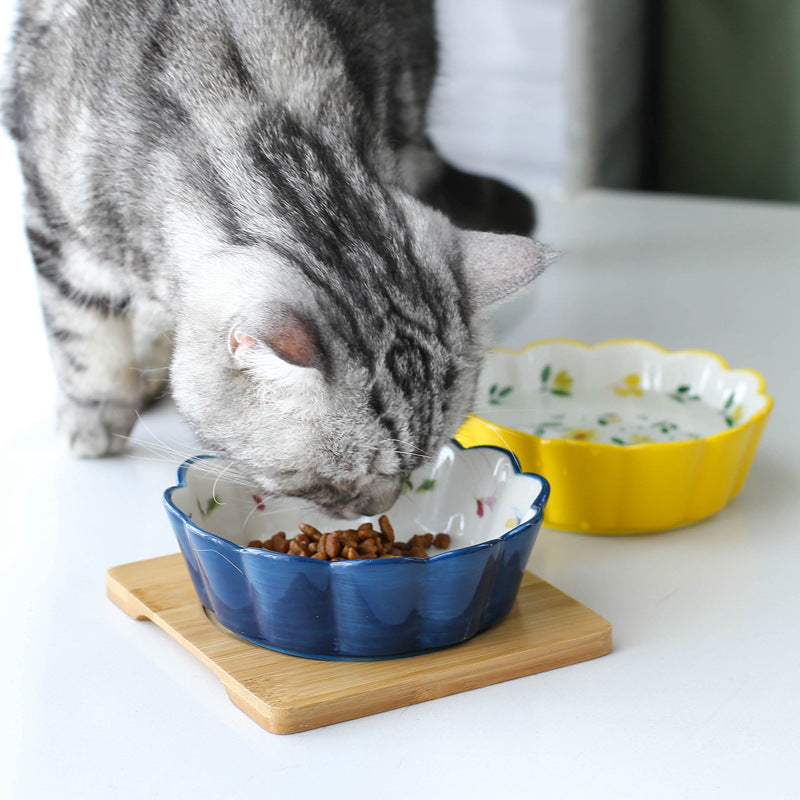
(609, 489)
(366, 609)
(616, 490)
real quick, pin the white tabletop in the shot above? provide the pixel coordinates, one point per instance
(699, 698)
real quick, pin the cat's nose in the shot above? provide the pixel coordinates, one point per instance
(377, 495)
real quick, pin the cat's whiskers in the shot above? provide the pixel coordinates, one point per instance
(499, 433)
(247, 518)
(141, 420)
(213, 468)
(422, 458)
(263, 513)
(225, 469)
(145, 371)
(404, 442)
(162, 451)
(408, 450)
(159, 452)
(270, 512)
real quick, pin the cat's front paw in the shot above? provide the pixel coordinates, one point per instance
(95, 429)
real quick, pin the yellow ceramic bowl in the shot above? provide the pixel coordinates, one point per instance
(632, 438)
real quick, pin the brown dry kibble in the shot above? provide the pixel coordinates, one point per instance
(367, 547)
(365, 531)
(298, 548)
(302, 540)
(417, 547)
(349, 538)
(385, 547)
(353, 544)
(310, 531)
(386, 527)
(442, 541)
(332, 544)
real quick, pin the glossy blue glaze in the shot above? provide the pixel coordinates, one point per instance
(367, 609)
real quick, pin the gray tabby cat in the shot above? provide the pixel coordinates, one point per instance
(244, 190)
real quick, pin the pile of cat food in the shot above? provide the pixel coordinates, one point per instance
(353, 543)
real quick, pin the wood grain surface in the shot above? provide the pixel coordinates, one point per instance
(546, 629)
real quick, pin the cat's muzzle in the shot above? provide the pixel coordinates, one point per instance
(376, 494)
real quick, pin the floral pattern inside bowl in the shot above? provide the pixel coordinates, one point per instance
(472, 496)
(633, 438)
(622, 393)
(370, 608)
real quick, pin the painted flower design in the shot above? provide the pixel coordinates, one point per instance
(427, 485)
(684, 393)
(484, 503)
(580, 434)
(561, 383)
(609, 419)
(629, 385)
(549, 427)
(512, 522)
(212, 505)
(497, 393)
(665, 426)
(733, 416)
(731, 413)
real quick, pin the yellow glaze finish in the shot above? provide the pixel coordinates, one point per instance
(611, 489)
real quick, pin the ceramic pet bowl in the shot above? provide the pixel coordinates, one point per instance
(363, 609)
(632, 438)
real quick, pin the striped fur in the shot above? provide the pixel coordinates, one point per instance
(243, 191)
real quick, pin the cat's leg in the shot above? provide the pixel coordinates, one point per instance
(152, 347)
(88, 319)
(471, 201)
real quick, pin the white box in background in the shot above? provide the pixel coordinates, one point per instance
(544, 93)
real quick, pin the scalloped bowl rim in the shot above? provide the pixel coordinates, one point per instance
(764, 411)
(538, 505)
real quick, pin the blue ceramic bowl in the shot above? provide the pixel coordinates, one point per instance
(366, 609)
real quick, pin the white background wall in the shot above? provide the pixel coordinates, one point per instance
(501, 100)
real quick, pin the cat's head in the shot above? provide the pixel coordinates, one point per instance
(333, 382)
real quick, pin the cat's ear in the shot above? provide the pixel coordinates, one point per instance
(286, 333)
(498, 265)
